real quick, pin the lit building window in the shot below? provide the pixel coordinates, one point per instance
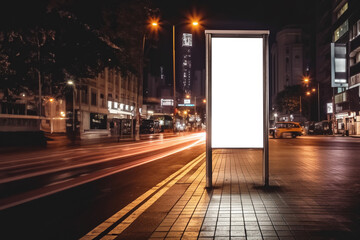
(340, 31)
(342, 10)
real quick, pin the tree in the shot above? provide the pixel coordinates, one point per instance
(37, 56)
(288, 100)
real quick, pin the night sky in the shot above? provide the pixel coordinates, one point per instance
(225, 14)
(219, 14)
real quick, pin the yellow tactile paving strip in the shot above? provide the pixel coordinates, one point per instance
(237, 207)
(159, 190)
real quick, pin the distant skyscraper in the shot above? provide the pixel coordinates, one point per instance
(289, 59)
(186, 62)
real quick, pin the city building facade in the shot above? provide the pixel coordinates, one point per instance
(289, 64)
(186, 62)
(346, 100)
(104, 105)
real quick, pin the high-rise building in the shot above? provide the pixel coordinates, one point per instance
(346, 31)
(186, 62)
(323, 59)
(289, 59)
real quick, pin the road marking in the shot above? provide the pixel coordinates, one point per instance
(163, 186)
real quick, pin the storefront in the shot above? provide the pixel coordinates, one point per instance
(346, 123)
(98, 121)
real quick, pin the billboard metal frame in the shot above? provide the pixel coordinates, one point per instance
(264, 34)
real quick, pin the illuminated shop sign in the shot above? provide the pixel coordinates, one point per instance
(167, 102)
(186, 105)
(329, 107)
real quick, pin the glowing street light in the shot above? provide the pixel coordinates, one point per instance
(195, 24)
(51, 100)
(308, 93)
(72, 83)
(313, 90)
(306, 80)
(204, 101)
(187, 96)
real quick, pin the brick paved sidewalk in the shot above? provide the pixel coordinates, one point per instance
(297, 205)
(240, 208)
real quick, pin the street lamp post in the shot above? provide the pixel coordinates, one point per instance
(76, 95)
(71, 83)
(195, 24)
(174, 78)
(300, 108)
(318, 96)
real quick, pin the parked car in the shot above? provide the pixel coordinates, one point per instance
(284, 129)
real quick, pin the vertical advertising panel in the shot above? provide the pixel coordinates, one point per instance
(237, 92)
(338, 65)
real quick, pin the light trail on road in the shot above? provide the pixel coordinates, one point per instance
(75, 158)
(167, 148)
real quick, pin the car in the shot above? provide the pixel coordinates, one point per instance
(287, 129)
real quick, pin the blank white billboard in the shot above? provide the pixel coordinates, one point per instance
(237, 92)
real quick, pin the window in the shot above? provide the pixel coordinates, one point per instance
(84, 95)
(93, 97)
(340, 31)
(342, 10)
(102, 100)
(98, 121)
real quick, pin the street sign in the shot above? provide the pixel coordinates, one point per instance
(236, 59)
(329, 107)
(186, 105)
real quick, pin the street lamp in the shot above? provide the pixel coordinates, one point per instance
(71, 83)
(306, 80)
(195, 24)
(153, 24)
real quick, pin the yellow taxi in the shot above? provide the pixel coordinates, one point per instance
(287, 129)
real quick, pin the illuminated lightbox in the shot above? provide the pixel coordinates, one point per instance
(237, 92)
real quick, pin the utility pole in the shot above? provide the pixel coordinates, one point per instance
(318, 98)
(174, 79)
(300, 109)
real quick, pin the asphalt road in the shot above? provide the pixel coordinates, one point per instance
(87, 185)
